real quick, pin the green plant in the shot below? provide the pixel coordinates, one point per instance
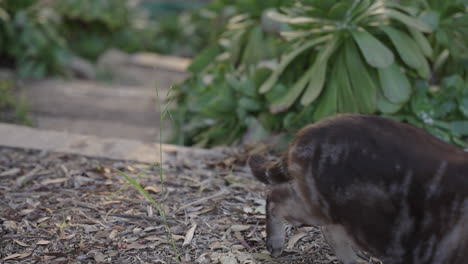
(355, 47)
(29, 37)
(442, 111)
(90, 26)
(221, 96)
(164, 113)
(332, 57)
(12, 109)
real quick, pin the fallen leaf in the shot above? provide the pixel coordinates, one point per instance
(17, 256)
(42, 219)
(113, 234)
(99, 257)
(26, 211)
(189, 235)
(68, 237)
(54, 181)
(228, 260)
(90, 228)
(137, 245)
(110, 202)
(10, 172)
(293, 240)
(42, 242)
(21, 243)
(238, 228)
(153, 189)
(215, 245)
(262, 256)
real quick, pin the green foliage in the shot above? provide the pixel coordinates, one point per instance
(305, 60)
(12, 109)
(39, 37)
(29, 37)
(442, 111)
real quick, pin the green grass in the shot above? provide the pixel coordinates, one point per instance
(160, 207)
(13, 109)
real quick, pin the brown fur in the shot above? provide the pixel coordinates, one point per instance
(372, 184)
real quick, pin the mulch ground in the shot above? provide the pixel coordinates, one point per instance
(61, 208)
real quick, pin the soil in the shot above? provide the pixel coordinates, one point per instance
(61, 208)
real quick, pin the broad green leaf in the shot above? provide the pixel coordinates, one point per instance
(459, 127)
(293, 93)
(463, 106)
(386, 106)
(255, 131)
(235, 46)
(430, 18)
(205, 58)
(421, 105)
(260, 75)
(327, 104)
(253, 52)
(249, 104)
(360, 7)
(375, 53)
(424, 70)
(347, 102)
(422, 41)
(364, 87)
(406, 47)
(276, 93)
(441, 59)
(318, 73)
(338, 10)
(409, 21)
(395, 86)
(437, 132)
(286, 60)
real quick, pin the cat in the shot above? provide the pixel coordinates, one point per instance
(373, 184)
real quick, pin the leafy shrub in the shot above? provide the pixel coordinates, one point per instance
(29, 37)
(38, 37)
(12, 109)
(331, 57)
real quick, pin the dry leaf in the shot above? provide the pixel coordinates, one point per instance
(228, 260)
(54, 181)
(137, 245)
(293, 240)
(215, 245)
(42, 219)
(263, 256)
(17, 256)
(42, 242)
(189, 235)
(238, 228)
(10, 172)
(113, 234)
(153, 189)
(21, 243)
(99, 257)
(110, 202)
(90, 228)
